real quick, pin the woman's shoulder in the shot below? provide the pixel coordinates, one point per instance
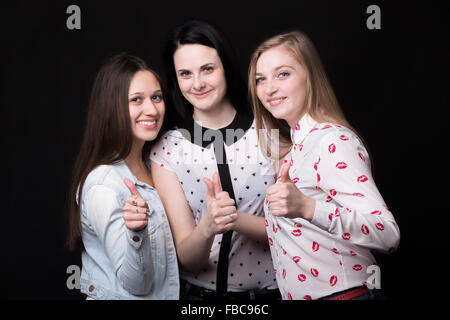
(168, 138)
(172, 134)
(328, 132)
(108, 176)
(332, 139)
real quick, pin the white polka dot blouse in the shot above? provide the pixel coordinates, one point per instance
(189, 153)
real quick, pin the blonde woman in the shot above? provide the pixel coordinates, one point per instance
(325, 214)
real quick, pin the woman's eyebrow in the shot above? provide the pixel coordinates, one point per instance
(132, 94)
(284, 66)
(202, 66)
(278, 68)
(207, 64)
(135, 93)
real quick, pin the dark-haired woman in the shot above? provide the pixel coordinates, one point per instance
(218, 224)
(126, 253)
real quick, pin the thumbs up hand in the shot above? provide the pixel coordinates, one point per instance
(221, 213)
(135, 210)
(286, 200)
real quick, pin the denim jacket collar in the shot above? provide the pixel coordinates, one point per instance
(122, 166)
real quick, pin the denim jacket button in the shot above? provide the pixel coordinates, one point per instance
(136, 239)
(91, 288)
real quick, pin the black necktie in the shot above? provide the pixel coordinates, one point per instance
(225, 245)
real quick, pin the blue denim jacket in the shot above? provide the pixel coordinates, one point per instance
(118, 263)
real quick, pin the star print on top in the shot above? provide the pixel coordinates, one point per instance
(192, 158)
(332, 252)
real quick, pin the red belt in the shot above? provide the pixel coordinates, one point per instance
(353, 293)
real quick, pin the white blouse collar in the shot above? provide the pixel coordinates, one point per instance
(303, 127)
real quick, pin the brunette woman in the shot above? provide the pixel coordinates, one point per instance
(126, 253)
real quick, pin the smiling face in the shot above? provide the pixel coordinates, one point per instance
(200, 76)
(281, 84)
(146, 106)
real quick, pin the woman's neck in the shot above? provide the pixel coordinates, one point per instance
(134, 160)
(293, 121)
(218, 117)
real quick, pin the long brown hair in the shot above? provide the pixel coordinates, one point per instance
(108, 135)
(321, 102)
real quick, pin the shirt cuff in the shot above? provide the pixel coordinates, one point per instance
(322, 215)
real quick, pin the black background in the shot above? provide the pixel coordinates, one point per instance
(391, 83)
